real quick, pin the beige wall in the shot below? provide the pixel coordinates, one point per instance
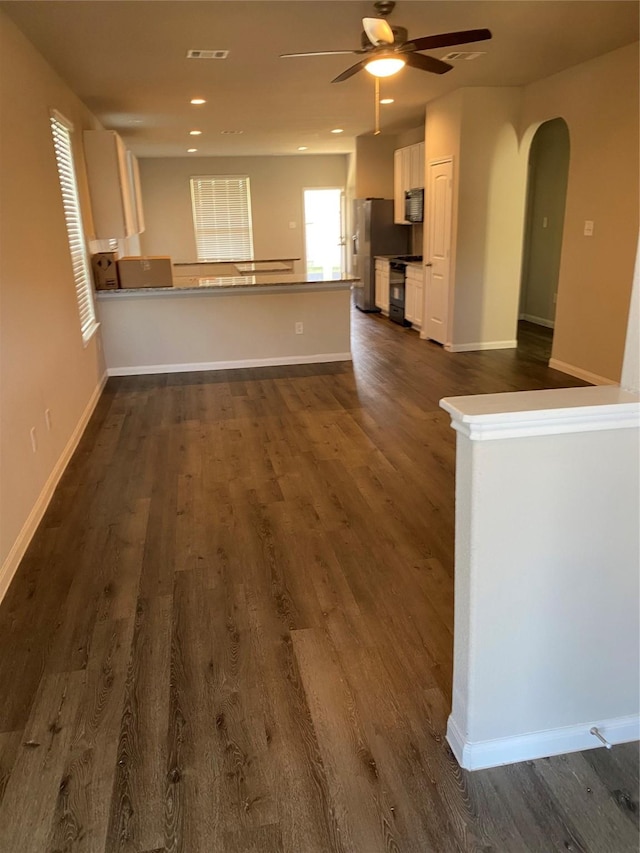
(277, 185)
(546, 198)
(599, 102)
(490, 216)
(410, 137)
(374, 166)
(43, 363)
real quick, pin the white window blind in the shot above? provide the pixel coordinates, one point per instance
(61, 130)
(222, 217)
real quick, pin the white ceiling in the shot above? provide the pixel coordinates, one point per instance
(126, 60)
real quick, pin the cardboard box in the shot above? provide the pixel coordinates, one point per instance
(149, 271)
(105, 271)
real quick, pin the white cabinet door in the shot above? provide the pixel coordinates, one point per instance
(414, 171)
(398, 188)
(109, 173)
(382, 286)
(409, 300)
(414, 295)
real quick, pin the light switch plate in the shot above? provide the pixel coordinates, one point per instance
(588, 228)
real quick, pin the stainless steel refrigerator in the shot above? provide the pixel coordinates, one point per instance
(375, 233)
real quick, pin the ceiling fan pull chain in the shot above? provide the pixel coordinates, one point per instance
(376, 90)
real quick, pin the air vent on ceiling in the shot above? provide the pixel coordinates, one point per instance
(461, 54)
(207, 54)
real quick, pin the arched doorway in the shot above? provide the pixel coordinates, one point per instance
(546, 197)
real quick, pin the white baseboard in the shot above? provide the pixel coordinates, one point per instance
(579, 373)
(509, 750)
(481, 345)
(539, 321)
(139, 370)
(18, 550)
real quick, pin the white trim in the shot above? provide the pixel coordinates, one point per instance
(527, 747)
(19, 548)
(481, 345)
(319, 358)
(549, 412)
(539, 321)
(579, 373)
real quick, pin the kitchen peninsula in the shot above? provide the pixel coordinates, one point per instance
(224, 321)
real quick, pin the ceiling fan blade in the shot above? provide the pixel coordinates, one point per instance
(448, 39)
(350, 71)
(321, 53)
(427, 63)
(378, 31)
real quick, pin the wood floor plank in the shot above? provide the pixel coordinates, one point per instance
(137, 802)
(33, 786)
(363, 811)
(81, 811)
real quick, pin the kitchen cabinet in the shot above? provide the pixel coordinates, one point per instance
(382, 285)
(114, 186)
(414, 294)
(408, 174)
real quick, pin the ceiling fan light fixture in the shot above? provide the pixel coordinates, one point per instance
(385, 66)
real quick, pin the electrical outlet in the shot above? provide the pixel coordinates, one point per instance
(299, 328)
(292, 225)
(47, 418)
(545, 222)
(34, 441)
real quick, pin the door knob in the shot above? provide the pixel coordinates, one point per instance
(428, 264)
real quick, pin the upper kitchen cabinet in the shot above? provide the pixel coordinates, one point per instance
(408, 174)
(114, 186)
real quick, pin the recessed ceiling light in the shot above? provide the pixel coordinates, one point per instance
(337, 130)
(386, 100)
(191, 150)
(198, 101)
(302, 147)
(195, 132)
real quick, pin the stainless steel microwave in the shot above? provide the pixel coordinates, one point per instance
(414, 205)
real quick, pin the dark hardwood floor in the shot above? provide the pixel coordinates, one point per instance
(233, 628)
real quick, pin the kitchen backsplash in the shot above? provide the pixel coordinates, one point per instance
(416, 238)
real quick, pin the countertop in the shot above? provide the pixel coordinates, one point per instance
(265, 281)
(399, 258)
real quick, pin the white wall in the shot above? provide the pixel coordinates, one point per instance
(599, 101)
(43, 363)
(277, 185)
(547, 634)
(161, 332)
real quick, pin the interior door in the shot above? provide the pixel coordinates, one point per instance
(438, 221)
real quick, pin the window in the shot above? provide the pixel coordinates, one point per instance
(62, 130)
(222, 217)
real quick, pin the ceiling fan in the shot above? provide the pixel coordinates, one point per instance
(387, 49)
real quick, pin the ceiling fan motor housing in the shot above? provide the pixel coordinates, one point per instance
(384, 7)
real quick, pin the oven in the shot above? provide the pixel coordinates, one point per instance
(397, 271)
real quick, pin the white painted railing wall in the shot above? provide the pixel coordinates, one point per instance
(547, 630)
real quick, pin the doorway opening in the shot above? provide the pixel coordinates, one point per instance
(546, 197)
(324, 233)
